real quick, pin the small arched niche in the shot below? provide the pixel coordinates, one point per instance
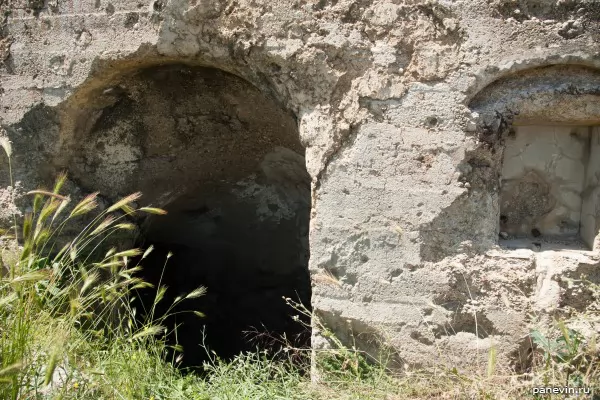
(226, 163)
(546, 123)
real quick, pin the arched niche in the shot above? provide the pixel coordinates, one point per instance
(542, 125)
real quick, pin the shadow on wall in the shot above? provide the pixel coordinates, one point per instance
(468, 223)
(33, 142)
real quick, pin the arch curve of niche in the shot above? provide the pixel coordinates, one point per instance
(225, 161)
(543, 129)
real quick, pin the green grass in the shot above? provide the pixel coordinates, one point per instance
(68, 331)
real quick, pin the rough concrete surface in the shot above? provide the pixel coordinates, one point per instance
(405, 111)
(543, 176)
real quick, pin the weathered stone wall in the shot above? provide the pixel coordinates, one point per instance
(403, 107)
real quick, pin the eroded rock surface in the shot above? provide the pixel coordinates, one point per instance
(403, 109)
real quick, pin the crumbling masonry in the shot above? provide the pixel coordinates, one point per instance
(437, 160)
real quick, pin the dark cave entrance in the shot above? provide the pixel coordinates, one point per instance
(248, 260)
(227, 164)
(247, 243)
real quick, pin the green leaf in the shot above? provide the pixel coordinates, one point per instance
(539, 339)
(565, 332)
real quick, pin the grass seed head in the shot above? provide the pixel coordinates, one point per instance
(86, 205)
(125, 203)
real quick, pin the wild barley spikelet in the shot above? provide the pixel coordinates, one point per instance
(60, 208)
(125, 202)
(200, 291)
(108, 221)
(86, 205)
(153, 210)
(60, 181)
(5, 143)
(126, 226)
(128, 253)
(149, 331)
(148, 251)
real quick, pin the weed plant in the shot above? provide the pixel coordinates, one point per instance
(69, 330)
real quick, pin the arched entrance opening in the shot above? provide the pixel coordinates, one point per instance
(226, 162)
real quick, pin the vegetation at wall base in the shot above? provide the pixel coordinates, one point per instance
(68, 331)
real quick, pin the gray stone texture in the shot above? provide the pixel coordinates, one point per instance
(405, 110)
(543, 174)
